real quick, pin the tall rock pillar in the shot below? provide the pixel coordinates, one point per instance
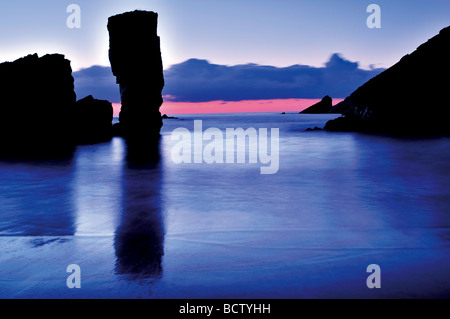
(135, 56)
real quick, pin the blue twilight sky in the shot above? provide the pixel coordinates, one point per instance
(277, 33)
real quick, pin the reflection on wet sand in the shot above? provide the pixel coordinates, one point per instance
(35, 197)
(139, 238)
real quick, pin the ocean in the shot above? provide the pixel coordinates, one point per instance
(337, 203)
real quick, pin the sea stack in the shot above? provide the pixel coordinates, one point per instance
(135, 56)
(410, 98)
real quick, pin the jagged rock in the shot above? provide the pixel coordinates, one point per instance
(409, 98)
(94, 120)
(324, 106)
(37, 96)
(135, 56)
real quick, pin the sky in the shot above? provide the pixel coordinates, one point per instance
(279, 34)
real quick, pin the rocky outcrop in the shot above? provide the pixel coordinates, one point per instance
(410, 98)
(135, 56)
(37, 96)
(314, 129)
(324, 106)
(165, 116)
(94, 120)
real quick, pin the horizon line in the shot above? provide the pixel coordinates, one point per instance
(243, 106)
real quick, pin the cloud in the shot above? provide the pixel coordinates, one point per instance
(97, 81)
(200, 81)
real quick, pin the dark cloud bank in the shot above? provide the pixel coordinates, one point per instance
(200, 81)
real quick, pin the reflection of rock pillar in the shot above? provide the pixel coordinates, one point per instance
(135, 56)
(140, 236)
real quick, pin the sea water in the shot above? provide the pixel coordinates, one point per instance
(338, 203)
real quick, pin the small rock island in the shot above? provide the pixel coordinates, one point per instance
(324, 106)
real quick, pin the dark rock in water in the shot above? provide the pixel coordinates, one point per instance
(409, 98)
(313, 129)
(37, 96)
(165, 116)
(95, 120)
(283, 113)
(344, 124)
(323, 106)
(135, 56)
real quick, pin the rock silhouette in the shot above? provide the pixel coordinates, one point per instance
(135, 56)
(165, 116)
(37, 105)
(324, 106)
(409, 98)
(95, 120)
(39, 111)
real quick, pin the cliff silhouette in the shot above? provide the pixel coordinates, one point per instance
(409, 98)
(135, 56)
(37, 105)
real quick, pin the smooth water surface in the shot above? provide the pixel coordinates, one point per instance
(338, 203)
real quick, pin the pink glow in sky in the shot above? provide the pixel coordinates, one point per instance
(249, 106)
